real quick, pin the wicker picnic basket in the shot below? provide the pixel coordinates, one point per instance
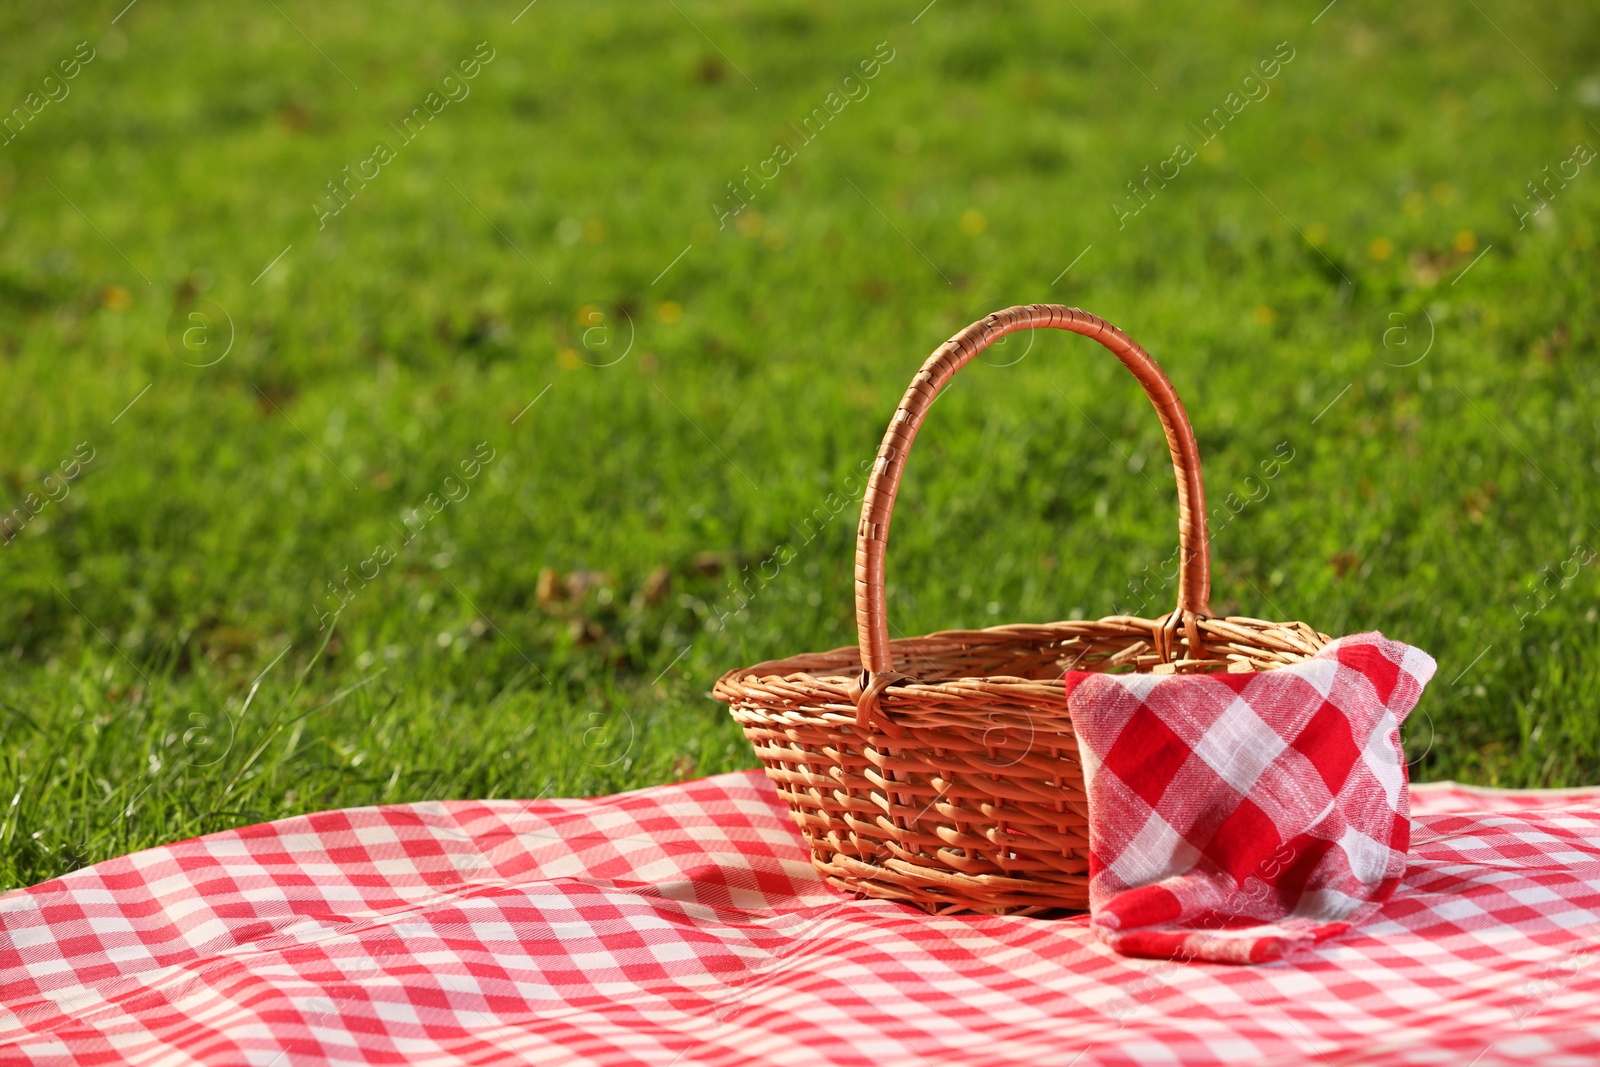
(943, 770)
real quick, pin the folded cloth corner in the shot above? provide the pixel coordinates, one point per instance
(1236, 817)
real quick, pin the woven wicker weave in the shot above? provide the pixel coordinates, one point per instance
(943, 770)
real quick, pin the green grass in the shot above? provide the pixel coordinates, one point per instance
(137, 614)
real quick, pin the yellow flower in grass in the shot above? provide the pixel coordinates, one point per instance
(974, 222)
(1380, 249)
(669, 312)
(1466, 241)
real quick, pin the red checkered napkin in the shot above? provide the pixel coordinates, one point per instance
(1236, 817)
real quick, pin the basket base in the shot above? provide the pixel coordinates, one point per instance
(861, 879)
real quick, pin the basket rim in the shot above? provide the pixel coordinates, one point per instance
(1297, 640)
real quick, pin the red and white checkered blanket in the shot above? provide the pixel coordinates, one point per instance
(683, 925)
(1238, 817)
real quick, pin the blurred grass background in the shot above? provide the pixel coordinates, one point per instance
(1338, 278)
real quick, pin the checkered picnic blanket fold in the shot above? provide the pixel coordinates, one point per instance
(1237, 817)
(682, 925)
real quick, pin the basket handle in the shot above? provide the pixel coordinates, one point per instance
(877, 506)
